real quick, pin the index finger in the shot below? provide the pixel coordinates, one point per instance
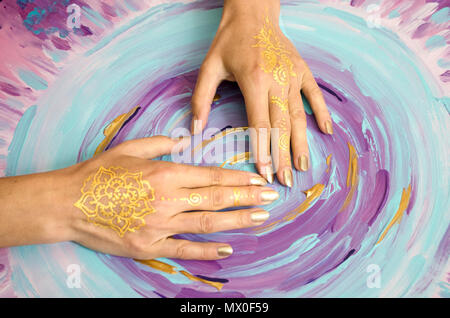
(198, 177)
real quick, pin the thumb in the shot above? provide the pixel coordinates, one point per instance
(152, 147)
(202, 98)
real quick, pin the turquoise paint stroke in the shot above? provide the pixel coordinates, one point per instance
(441, 16)
(20, 134)
(435, 41)
(33, 80)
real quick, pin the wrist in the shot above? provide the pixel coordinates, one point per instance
(56, 203)
(251, 10)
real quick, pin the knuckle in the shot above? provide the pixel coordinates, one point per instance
(298, 114)
(205, 223)
(216, 175)
(265, 124)
(315, 91)
(241, 220)
(181, 251)
(203, 253)
(216, 195)
(253, 193)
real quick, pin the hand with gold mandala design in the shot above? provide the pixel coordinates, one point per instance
(119, 202)
(250, 48)
(127, 205)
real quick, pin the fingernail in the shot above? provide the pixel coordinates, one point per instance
(197, 127)
(288, 177)
(329, 127)
(303, 163)
(269, 196)
(258, 181)
(260, 216)
(224, 251)
(269, 174)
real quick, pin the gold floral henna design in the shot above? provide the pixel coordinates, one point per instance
(117, 199)
(276, 58)
(282, 103)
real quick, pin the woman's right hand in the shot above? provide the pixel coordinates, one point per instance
(121, 203)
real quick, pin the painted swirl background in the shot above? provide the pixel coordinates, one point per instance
(386, 84)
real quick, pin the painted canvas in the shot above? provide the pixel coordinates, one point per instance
(370, 219)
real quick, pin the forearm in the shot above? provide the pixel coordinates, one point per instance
(29, 211)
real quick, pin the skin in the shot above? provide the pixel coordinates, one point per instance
(46, 213)
(233, 57)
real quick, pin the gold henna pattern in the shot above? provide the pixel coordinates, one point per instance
(195, 199)
(283, 142)
(281, 102)
(117, 199)
(237, 196)
(276, 58)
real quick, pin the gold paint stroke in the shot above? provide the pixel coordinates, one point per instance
(311, 194)
(243, 156)
(352, 176)
(111, 130)
(404, 201)
(328, 162)
(204, 281)
(158, 265)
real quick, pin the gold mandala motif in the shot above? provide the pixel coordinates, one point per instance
(116, 198)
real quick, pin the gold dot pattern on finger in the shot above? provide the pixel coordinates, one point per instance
(275, 57)
(237, 196)
(116, 198)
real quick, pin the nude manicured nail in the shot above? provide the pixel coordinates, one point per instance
(260, 216)
(258, 181)
(269, 174)
(269, 196)
(288, 177)
(224, 251)
(329, 127)
(303, 163)
(197, 126)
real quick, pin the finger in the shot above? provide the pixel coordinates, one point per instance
(281, 134)
(183, 249)
(208, 80)
(211, 222)
(218, 198)
(314, 95)
(257, 107)
(152, 147)
(212, 176)
(299, 140)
